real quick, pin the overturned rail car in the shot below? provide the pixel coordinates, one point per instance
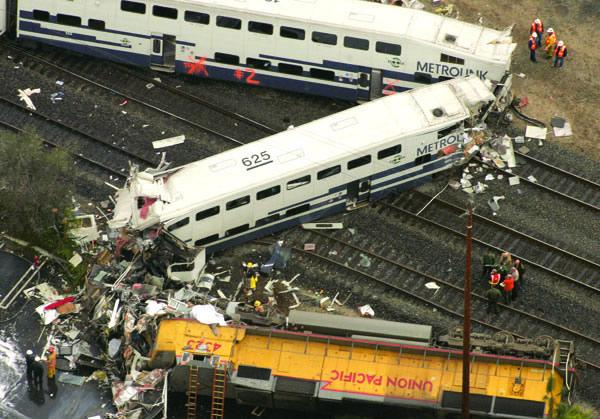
(303, 370)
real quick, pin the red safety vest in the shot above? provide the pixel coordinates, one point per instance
(509, 284)
(560, 51)
(533, 44)
(536, 28)
(494, 279)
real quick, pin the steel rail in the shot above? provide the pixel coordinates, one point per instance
(558, 169)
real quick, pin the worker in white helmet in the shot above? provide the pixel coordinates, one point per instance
(532, 44)
(550, 43)
(560, 53)
(537, 27)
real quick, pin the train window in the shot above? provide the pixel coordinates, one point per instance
(256, 63)
(133, 7)
(356, 43)
(297, 210)
(273, 190)
(196, 17)
(69, 20)
(259, 27)
(179, 224)
(267, 220)
(162, 11)
(237, 230)
(296, 183)
(41, 15)
(390, 151)
(229, 22)
(444, 78)
(446, 131)
(425, 158)
(387, 48)
(324, 38)
(156, 46)
(292, 33)
(361, 161)
(206, 240)
(319, 73)
(422, 78)
(244, 200)
(452, 60)
(227, 58)
(207, 213)
(290, 68)
(98, 25)
(330, 171)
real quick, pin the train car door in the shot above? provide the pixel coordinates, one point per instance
(357, 192)
(376, 85)
(163, 52)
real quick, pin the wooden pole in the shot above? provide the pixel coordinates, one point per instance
(467, 317)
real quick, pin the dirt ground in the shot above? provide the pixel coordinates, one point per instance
(572, 92)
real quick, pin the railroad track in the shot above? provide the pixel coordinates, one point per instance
(392, 272)
(547, 257)
(107, 156)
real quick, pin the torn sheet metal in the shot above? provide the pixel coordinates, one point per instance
(536, 132)
(168, 142)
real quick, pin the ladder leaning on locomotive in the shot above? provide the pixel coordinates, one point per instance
(321, 168)
(348, 49)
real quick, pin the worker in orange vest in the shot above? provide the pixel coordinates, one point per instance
(532, 47)
(560, 53)
(550, 43)
(537, 27)
(51, 371)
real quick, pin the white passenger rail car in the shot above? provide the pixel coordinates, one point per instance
(348, 49)
(321, 168)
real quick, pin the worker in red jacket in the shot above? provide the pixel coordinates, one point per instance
(532, 44)
(508, 285)
(560, 53)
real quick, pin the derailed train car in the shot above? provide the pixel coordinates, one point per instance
(395, 365)
(353, 50)
(321, 168)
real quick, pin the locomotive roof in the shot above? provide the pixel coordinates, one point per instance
(393, 21)
(335, 138)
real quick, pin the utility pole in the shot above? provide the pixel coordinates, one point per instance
(467, 317)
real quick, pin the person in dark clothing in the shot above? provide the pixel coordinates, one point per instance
(38, 374)
(521, 268)
(493, 295)
(29, 360)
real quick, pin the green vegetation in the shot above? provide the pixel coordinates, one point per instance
(575, 411)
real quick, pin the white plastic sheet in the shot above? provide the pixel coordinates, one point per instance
(207, 314)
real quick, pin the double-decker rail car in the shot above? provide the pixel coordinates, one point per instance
(306, 370)
(314, 170)
(348, 49)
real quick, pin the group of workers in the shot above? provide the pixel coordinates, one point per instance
(35, 371)
(503, 274)
(251, 273)
(554, 49)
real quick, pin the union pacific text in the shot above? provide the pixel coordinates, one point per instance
(381, 380)
(448, 71)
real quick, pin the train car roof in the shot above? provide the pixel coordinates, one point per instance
(309, 147)
(369, 17)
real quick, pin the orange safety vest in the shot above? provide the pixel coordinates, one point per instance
(560, 51)
(536, 28)
(533, 45)
(51, 364)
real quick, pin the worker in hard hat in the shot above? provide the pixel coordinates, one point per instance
(532, 44)
(550, 43)
(51, 371)
(560, 53)
(537, 27)
(29, 360)
(258, 307)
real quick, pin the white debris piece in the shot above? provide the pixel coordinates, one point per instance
(514, 180)
(493, 203)
(565, 131)
(24, 95)
(207, 314)
(532, 178)
(432, 286)
(366, 311)
(519, 139)
(536, 132)
(489, 176)
(168, 142)
(75, 260)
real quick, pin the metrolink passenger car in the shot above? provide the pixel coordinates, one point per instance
(348, 49)
(314, 170)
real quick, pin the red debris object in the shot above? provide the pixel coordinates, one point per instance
(449, 149)
(125, 102)
(36, 261)
(523, 102)
(59, 303)
(146, 208)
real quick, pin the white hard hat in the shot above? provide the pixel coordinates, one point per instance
(550, 30)
(538, 21)
(37, 358)
(560, 43)
(29, 352)
(534, 35)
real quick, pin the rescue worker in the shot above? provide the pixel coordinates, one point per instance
(493, 296)
(532, 47)
(51, 371)
(494, 278)
(560, 53)
(550, 43)
(508, 285)
(38, 374)
(258, 307)
(505, 260)
(489, 261)
(253, 282)
(537, 27)
(521, 268)
(29, 360)
(514, 272)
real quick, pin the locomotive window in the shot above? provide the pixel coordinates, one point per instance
(229, 22)
(162, 11)
(292, 33)
(273, 190)
(207, 213)
(290, 68)
(206, 240)
(227, 58)
(446, 131)
(452, 60)
(356, 43)
(423, 78)
(196, 17)
(256, 63)
(267, 220)
(68, 20)
(179, 224)
(390, 151)
(98, 25)
(259, 27)
(244, 200)
(297, 210)
(330, 171)
(387, 48)
(361, 161)
(324, 38)
(296, 183)
(41, 15)
(237, 230)
(133, 7)
(319, 73)
(422, 159)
